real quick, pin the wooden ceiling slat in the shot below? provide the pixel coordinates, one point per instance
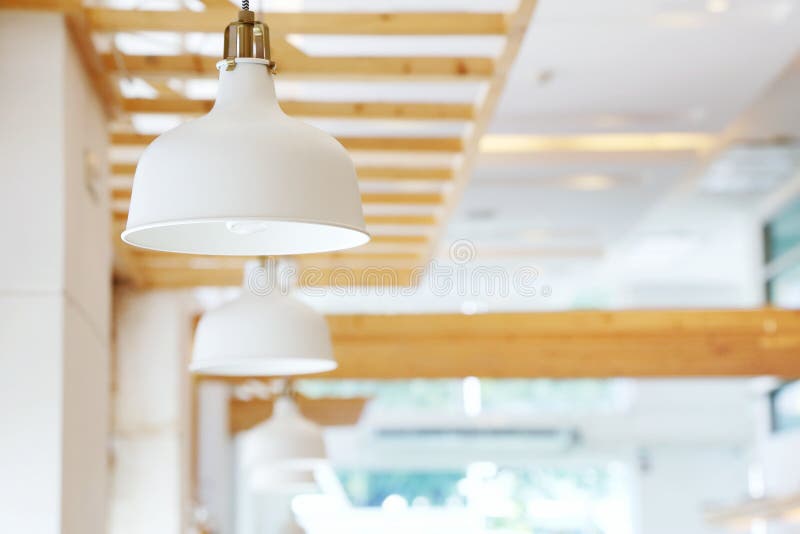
(401, 220)
(365, 173)
(361, 110)
(400, 239)
(371, 220)
(569, 344)
(176, 278)
(215, 20)
(411, 144)
(366, 198)
(388, 144)
(405, 173)
(402, 198)
(301, 66)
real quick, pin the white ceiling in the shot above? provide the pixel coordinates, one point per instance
(624, 66)
(645, 65)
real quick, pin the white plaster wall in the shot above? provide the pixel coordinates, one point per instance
(86, 228)
(30, 419)
(85, 415)
(55, 337)
(32, 152)
(87, 307)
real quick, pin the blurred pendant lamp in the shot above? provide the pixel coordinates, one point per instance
(286, 441)
(246, 179)
(262, 333)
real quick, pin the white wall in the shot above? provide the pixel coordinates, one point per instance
(54, 285)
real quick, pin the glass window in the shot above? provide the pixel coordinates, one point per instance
(785, 403)
(782, 233)
(542, 500)
(782, 249)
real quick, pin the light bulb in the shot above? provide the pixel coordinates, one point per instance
(246, 227)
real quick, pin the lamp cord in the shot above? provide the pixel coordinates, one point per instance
(245, 5)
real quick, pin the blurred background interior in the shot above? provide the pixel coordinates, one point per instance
(608, 189)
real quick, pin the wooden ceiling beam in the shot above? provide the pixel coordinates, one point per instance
(356, 110)
(387, 144)
(296, 65)
(568, 344)
(215, 20)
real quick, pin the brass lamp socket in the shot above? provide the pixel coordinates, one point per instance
(247, 38)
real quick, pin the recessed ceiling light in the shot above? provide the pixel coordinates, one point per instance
(717, 6)
(590, 182)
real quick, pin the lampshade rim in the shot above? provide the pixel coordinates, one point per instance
(216, 366)
(125, 235)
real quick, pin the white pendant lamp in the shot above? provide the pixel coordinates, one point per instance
(287, 441)
(262, 335)
(246, 179)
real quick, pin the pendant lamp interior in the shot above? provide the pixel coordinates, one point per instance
(246, 179)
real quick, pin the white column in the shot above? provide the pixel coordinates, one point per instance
(216, 458)
(55, 279)
(150, 490)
